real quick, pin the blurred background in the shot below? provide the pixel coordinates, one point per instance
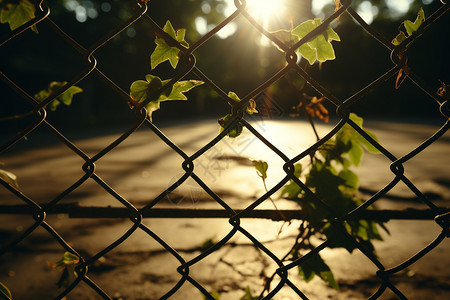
(238, 58)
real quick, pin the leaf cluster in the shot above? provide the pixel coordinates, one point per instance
(16, 13)
(66, 264)
(144, 90)
(315, 265)
(226, 121)
(65, 98)
(335, 189)
(148, 91)
(410, 28)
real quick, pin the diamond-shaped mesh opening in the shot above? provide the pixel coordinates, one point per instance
(43, 183)
(11, 270)
(140, 173)
(35, 69)
(359, 59)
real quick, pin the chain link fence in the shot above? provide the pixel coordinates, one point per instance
(188, 67)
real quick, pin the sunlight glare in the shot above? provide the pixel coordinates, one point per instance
(367, 11)
(263, 10)
(398, 8)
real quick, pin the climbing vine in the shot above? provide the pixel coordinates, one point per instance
(402, 36)
(334, 188)
(152, 91)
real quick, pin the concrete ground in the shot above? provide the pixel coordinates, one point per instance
(142, 167)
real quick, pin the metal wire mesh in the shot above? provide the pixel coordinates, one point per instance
(188, 67)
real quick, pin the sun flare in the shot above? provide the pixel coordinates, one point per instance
(263, 10)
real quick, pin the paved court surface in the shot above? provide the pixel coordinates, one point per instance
(142, 167)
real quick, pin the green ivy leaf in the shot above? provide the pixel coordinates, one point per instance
(399, 39)
(361, 230)
(261, 168)
(208, 243)
(367, 230)
(324, 179)
(328, 277)
(359, 138)
(64, 280)
(67, 259)
(286, 37)
(351, 142)
(292, 189)
(4, 292)
(306, 271)
(248, 295)
(356, 119)
(42, 95)
(351, 179)
(67, 265)
(141, 90)
(251, 106)
(180, 87)
(319, 48)
(371, 148)
(355, 153)
(9, 178)
(214, 294)
(412, 27)
(17, 14)
(314, 265)
(339, 237)
(226, 121)
(233, 96)
(65, 97)
(298, 170)
(165, 52)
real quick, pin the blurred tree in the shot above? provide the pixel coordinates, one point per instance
(238, 62)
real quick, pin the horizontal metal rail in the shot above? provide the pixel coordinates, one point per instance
(73, 210)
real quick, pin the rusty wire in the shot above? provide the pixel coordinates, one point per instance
(188, 66)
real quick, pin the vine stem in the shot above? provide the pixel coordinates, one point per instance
(305, 232)
(311, 121)
(274, 205)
